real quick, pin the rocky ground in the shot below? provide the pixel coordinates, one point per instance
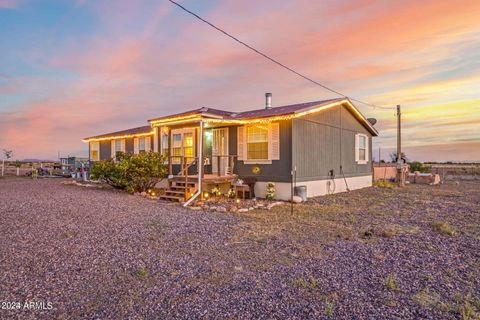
(375, 253)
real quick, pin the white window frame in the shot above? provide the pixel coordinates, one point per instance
(182, 132)
(247, 142)
(114, 146)
(140, 139)
(118, 145)
(273, 141)
(94, 146)
(358, 136)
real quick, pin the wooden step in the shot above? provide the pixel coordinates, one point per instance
(181, 188)
(179, 192)
(171, 198)
(182, 184)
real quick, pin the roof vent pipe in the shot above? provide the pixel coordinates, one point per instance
(268, 100)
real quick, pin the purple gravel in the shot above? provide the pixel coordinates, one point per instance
(104, 254)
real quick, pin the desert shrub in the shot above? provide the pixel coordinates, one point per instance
(132, 172)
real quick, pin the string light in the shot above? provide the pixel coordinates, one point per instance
(196, 117)
(125, 136)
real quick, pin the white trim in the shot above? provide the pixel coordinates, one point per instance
(112, 149)
(136, 145)
(148, 145)
(274, 141)
(315, 188)
(257, 161)
(241, 143)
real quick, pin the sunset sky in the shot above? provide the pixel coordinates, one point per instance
(71, 69)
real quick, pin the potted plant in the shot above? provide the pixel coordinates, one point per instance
(18, 164)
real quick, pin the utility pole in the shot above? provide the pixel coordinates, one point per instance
(400, 165)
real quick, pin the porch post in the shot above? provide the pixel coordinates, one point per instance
(170, 160)
(200, 156)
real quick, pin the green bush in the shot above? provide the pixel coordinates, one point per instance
(132, 172)
(420, 167)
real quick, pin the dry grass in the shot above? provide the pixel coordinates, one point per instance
(443, 228)
(391, 283)
(384, 184)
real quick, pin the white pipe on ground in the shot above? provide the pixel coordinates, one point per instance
(200, 167)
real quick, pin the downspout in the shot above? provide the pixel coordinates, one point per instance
(200, 167)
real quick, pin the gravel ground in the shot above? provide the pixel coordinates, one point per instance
(374, 253)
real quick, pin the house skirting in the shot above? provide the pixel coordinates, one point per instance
(315, 188)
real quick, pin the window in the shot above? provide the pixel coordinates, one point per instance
(188, 145)
(141, 145)
(182, 145)
(361, 148)
(165, 144)
(118, 146)
(257, 142)
(94, 152)
(176, 147)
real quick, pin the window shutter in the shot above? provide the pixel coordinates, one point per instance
(122, 145)
(357, 154)
(155, 139)
(241, 143)
(135, 145)
(147, 144)
(274, 141)
(113, 149)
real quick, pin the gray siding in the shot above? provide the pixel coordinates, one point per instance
(319, 145)
(279, 170)
(106, 147)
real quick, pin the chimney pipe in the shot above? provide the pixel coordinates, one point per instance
(268, 100)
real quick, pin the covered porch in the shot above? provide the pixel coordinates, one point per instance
(198, 154)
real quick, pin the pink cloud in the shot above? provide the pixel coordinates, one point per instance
(9, 4)
(173, 62)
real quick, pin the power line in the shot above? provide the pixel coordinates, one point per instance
(274, 60)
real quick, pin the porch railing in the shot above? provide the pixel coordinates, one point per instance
(230, 167)
(186, 162)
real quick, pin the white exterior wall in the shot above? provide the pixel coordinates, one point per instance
(314, 188)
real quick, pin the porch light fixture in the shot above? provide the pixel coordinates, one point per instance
(206, 195)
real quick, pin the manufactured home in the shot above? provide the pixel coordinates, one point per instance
(322, 146)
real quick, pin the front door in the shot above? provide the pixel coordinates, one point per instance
(220, 150)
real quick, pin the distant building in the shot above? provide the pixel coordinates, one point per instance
(73, 163)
